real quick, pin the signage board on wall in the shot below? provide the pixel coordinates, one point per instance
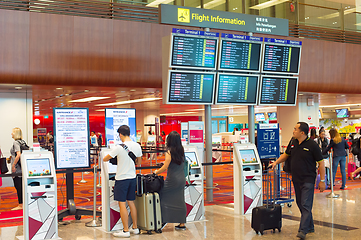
(205, 18)
(184, 131)
(41, 133)
(114, 118)
(195, 130)
(71, 137)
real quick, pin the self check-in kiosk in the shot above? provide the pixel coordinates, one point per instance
(40, 213)
(247, 178)
(110, 208)
(193, 192)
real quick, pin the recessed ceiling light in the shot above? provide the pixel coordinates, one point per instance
(59, 88)
(129, 101)
(86, 90)
(133, 90)
(343, 95)
(18, 88)
(89, 99)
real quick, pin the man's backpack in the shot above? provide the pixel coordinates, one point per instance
(355, 146)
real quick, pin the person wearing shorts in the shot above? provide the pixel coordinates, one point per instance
(125, 181)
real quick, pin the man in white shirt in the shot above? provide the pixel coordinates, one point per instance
(125, 180)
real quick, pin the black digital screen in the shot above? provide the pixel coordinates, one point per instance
(278, 90)
(191, 87)
(193, 52)
(237, 89)
(240, 55)
(281, 59)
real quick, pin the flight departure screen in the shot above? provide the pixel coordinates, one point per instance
(237, 89)
(278, 90)
(240, 55)
(281, 58)
(189, 51)
(191, 87)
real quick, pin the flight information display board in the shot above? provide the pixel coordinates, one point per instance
(281, 56)
(188, 87)
(240, 53)
(278, 90)
(193, 49)
(236, 89)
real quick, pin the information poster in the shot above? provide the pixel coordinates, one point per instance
(114, 118)
(268, 138)
(195, 130)
(41, 135)
(71, 137)
(184, 130)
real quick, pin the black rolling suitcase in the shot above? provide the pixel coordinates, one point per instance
(269, 216)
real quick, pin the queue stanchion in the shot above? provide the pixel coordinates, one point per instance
(82, 178)
(94, 222)
(99, 183)
(332, 194)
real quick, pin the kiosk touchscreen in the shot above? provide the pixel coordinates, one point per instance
(40, 213)
(110, 209)
(193, 192)
(247, 178)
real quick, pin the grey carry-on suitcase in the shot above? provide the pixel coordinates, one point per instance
(148, 208)
(269, 216)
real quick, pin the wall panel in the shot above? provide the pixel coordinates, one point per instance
(40, 48)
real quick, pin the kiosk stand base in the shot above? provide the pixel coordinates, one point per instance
(71, 208)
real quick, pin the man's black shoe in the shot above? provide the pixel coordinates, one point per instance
(301, 235)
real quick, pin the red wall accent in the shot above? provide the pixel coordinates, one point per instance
(174, 123)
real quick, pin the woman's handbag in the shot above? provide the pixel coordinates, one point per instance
(3, 166)
(153, 183)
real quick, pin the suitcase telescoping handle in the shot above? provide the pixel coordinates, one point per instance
(269, 189)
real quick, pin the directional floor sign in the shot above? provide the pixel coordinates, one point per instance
(268, 140)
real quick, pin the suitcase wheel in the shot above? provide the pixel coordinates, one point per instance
(274, 230)
(261, 232)
(279, 229)
(256, 232)
(149, 232)
(158, 231)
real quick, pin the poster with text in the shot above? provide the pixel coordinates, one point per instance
(114, 118)
(71, 137)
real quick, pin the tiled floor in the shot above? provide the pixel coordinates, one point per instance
(334, 219)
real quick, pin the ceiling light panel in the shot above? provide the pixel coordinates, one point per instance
(267, 4)
(89, 99)
(128, 102)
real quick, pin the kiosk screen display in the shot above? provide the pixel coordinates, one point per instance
(190, 87)
(151, 139)
(194, 50)
(278, 90)
(237, 89)
(191, 157)
(248, 156)
(38, 167)
(240, 55)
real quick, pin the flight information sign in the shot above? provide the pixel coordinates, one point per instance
(278, 90)
(240, 53)
(193, 49)
(281, 56)
(239, 89)
(186, 87)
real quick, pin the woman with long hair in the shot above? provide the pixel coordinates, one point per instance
(339, 146)
(15, 152)
(172, 195)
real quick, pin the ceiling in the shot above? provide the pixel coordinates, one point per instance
(47, 97)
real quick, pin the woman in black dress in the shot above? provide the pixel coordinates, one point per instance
(172, 195)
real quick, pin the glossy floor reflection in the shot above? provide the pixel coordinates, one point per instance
(334, 219)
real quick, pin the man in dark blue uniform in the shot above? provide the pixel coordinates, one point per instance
(305, 153)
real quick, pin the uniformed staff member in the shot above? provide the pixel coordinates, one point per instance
(304, 154)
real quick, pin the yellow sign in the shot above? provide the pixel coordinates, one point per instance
(184, 15)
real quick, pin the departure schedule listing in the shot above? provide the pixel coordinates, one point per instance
(281, 58)
(278, 90)
(237, 89)
(194, 52)
(72, 141)
(240, 55)
(191, 87)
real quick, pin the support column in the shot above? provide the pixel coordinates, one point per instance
(251, 124)
(209, 169)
